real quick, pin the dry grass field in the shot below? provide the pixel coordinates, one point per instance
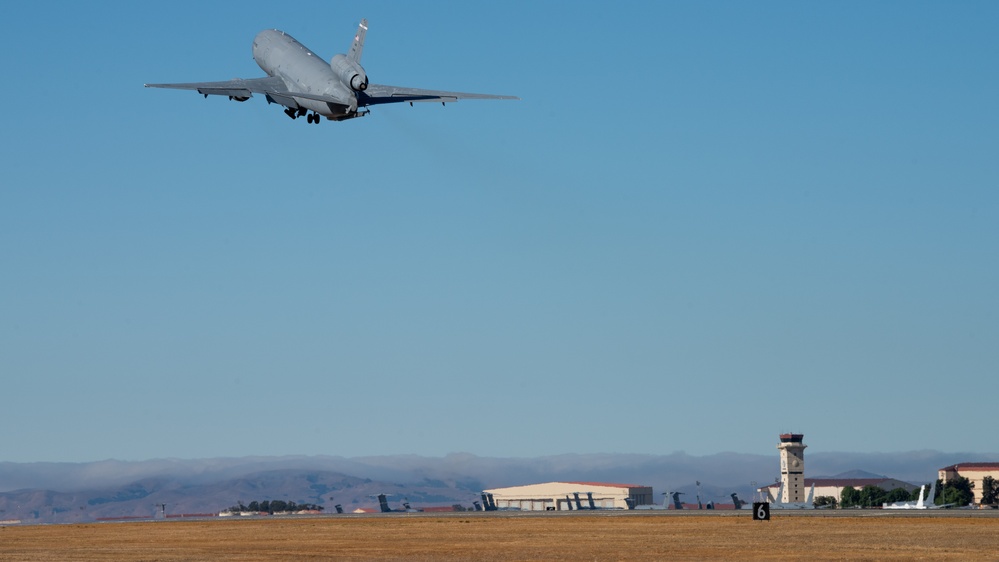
(629, 536)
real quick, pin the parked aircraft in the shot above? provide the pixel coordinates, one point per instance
(665, 504)
(919, 503)
(591, 503)
(677, 502)
(737, 502)
(302, 81)
(384, 506)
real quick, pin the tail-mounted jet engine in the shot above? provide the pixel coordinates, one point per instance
(350, 73)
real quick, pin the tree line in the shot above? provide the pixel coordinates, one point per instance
(957, 491)
(273, 506)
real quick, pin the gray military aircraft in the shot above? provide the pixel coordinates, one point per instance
(301, 81)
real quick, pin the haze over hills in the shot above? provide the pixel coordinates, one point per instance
(66, 492)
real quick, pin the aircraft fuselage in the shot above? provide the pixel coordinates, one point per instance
(279, 54)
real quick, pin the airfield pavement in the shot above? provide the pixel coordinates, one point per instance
(834, 535)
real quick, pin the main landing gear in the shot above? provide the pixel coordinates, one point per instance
(296, 113)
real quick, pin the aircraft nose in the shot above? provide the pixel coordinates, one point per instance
(261, 42)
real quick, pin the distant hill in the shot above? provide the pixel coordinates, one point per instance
(68, 492)
(854, 474)
(143, 498)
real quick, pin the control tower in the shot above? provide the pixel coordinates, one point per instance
(792, 466)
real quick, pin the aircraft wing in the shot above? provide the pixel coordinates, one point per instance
(237, 88)
(377, 94)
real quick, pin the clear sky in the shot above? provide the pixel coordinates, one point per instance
(705, 223)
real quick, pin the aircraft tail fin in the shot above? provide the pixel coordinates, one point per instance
(354, 54)
(677, 504)
(383, 503)
(810, 500)
(933, 494)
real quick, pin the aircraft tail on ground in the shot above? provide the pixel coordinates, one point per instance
(677, 504)
(931, 497)
(383, 503)
(357, 46)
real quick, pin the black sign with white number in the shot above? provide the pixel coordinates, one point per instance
(761, 511)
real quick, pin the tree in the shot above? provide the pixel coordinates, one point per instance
(849, 497)
(898, 495)
(823, 501)
(956, 491)
(254, 506)
(990, 491)
(872, 496)
(236, 508)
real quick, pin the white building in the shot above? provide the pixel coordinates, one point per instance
(563, 496)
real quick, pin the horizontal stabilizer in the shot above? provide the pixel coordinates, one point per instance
(377, 94)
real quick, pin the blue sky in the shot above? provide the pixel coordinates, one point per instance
(704, 224)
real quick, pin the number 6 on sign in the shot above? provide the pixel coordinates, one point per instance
(761, 511)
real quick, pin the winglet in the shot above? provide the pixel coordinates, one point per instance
(357, 46)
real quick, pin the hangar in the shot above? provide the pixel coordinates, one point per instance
(565, 496)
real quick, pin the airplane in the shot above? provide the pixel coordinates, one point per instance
(737, 502)
(919, 503)
(665, 504)
(384, 506)
(591, 503)
(677, 504)
(302, 81)
(807, 504)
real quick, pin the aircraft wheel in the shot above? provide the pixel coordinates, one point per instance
(309, 118)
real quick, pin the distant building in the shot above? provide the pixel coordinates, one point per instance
(796, 486)
(973, 471)
(565, 496)
(792, 466)
(833, 487)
